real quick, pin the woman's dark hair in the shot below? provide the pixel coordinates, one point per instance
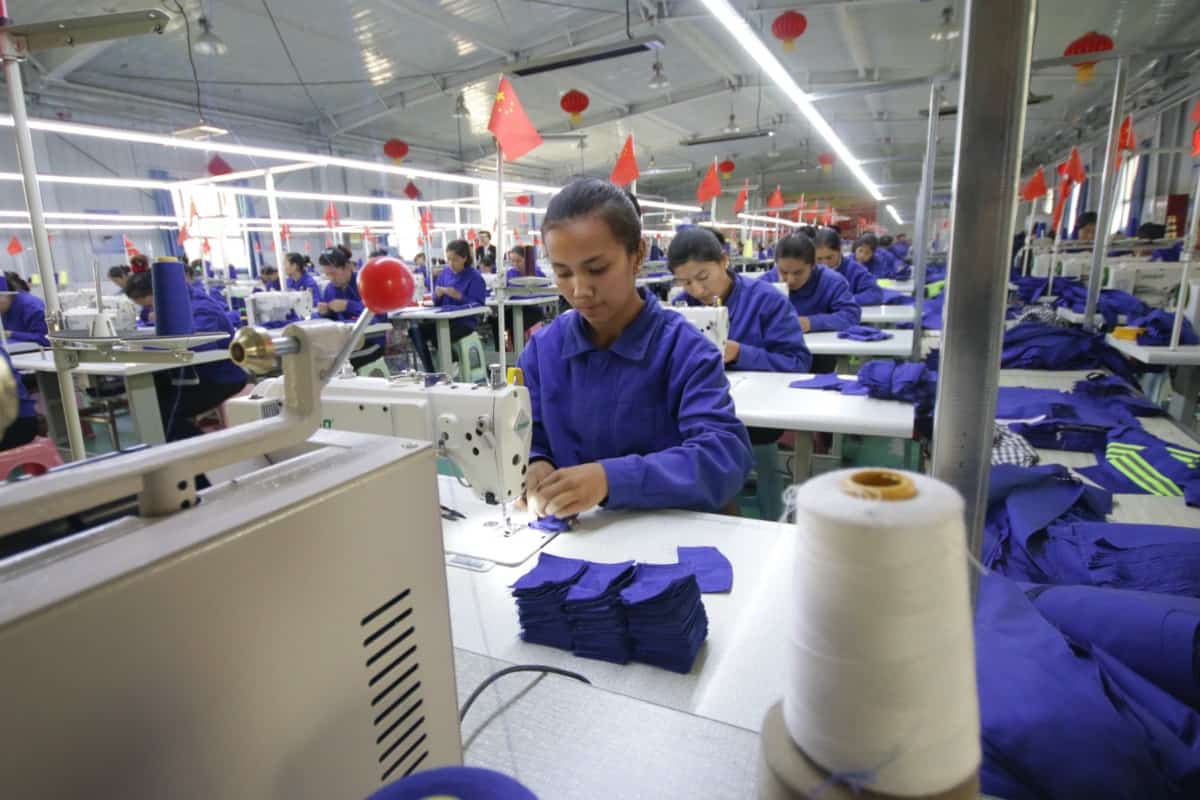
(828, 238)
(333, 257)
(587, 197)
(139, 285)
(378, 252)
(297, 259)
(720, 237)
(267, 269)
(1086, 218)
(488, 262)
(694, 244)
(15, 282)
(1151, 231)
(885, 241)
(809, 231)
(867, 240)
(119, 271)
(463, 249)
(346, 251)
(797, 246)
(517, 250)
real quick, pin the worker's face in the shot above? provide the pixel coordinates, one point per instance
(592, 269)
(293, 269)
(119, 280)
(828, 257)
(706, 281)
(268, 278)
(328, 269)
(1087, 233)
(794, 272)
(419, 259)
(341, 276)
(457, 262)
(863, 254)
(485, 239)
(517, 259)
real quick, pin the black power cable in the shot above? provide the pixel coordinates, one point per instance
(490, 679)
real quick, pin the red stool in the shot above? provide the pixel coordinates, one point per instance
(34, 458)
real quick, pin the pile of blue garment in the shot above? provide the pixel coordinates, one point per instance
(651, 613)
(1158, 325)
(1079, 420)
(1132, 461)
(883, 380)
(863, 333)
(931, 312)
(1033, 345)
(1111, 304)
(1064, 715)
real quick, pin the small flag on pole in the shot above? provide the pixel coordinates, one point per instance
(515, 134)
(14, 247)
(710, 187)
(626, 170)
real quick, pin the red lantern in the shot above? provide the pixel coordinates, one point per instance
(726, 168)
(826, 160)
(788, 27)
(395, 149)
(523, 199)
(1091, 42)
(574, 103)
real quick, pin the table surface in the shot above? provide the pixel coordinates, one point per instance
(888, 314)
(745, 636)
(1185, 355)
(536, 300)
(827, 343)
(15, 348)
(764, 400)
(433, 313)
(44, 362)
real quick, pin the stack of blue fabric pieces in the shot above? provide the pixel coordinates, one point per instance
(1158, 325)
(864, 333)
(1033, 345)
(652, 613)
(1072, 293)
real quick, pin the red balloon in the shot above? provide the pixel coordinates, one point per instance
(385, 284)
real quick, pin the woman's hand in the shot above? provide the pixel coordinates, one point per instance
(454, 294)
(538, 471)
(570, 491)
(337, 305)
(805, 325)
(732, 351)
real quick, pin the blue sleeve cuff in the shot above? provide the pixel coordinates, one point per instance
(624, 475)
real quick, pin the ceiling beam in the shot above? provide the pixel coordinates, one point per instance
(456, 26)
(73, 59)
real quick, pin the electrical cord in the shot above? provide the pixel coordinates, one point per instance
(490, 679)
(187, 31)
(287, 51)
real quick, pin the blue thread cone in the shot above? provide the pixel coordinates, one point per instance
(172, 301)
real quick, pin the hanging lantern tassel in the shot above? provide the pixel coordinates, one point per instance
(788, 27)
(826, 160)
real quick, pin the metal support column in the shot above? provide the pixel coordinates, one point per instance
(997, 45)
(502, 336)
(921, 224)
(1108, 195)
(273, 210)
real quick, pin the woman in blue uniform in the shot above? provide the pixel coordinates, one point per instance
(268, 279)
(820, 296)
(764, 335)
(188, 391)
(863, 286)
(341, 301)
(631, 408)
(458, 286)
(867, 253)
(522, 261)
(299, 278)
(24, 314)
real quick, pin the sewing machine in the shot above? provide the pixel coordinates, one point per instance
(271, 308)
(120, 315)
(712, 321)
(282, 634)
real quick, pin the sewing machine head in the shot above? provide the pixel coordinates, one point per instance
(263, 308)
(712, 321)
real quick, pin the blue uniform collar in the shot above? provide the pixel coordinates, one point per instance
(814, 280)
(632, 342)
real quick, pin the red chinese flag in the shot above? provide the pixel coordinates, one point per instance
(471, 235)
(130, 249)
(775, 200)
(515, 134)
(1196, 142)
(739, 205)
(218, 166)
(1035, 187)
(14, 247)
(206, 248)
(285, 232)
(1196, 113)
(332, 218)
(626, 170)
(193, 214)
(1064, 189)
(183, 235)
(1126, 140)
(426, 220)
(1075, 169)
(710, 187)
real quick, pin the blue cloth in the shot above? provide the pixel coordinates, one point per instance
(931, 312)
(1167, 254)
(1111, 303)
(25, 404)
(211, 318)
(551, 524)
(1172, 471)
(667, 623)
(653, 409)
(513, 272)
(712, 569)
(540, 594)
(824, 382)
(1034, 345)
(474, 292)
(306, 281)
(1149, 558)
(887, 380)
(1156, 635)
(596, 615)
(900, 249)
(864, 333)
(349, 293)
(1061, 719)
(863, 285)
(881, 265)
(765, 327)
(1080, 420)
(825, 299)
(1158, 324)
(466, 782)
(25, 320)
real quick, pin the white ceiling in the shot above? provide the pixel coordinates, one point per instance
(393, 68)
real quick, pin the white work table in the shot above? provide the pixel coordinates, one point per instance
(765, 400)
(827, 343)
(139, 387)
(738, 673)
(518, 306)
(443, 319)
(888, 315)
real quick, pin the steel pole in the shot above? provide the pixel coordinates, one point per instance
(10, 53)
(921, 224)
(1108, 195)
(997, 45)
(502, 334)
(1189, 252)
(273, 209)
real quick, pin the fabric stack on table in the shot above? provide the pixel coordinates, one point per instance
(652, 613)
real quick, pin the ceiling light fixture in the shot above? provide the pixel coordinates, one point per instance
(200, 133)
(947, 31)
(891, 209)
(208, 43)
(757, 133)
(659, 79)
(460, 107)
(588, 55)
(771, 220)
(758, 50)
(732, 126)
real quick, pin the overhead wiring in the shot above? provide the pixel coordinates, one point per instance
(288, 52)
(187, 31)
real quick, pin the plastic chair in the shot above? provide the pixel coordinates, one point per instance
(472, 362)
(34, 458)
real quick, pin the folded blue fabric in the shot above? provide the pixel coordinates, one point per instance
(1156, 635)
(890, 297)
(551, 523)
(863, 333)
(666, 619)
(550, 571)
(1062, 719)
(1158, 325)
(1035, 345)
(540, 594)
(826, 381)
(1149, 558)
(887, 380)
(712, 569)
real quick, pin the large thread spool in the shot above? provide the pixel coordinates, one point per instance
(882, 674)
(172, 300)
